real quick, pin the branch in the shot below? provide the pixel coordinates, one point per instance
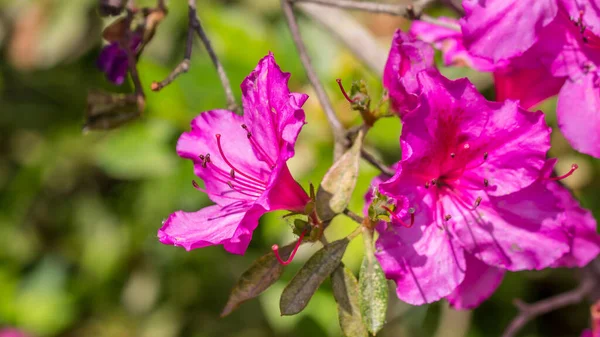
(531, 311)
(358, 39)
(334, 123)
(195, 26)
(375, 162)
(412, 11)
(184, 66)
(357, 218)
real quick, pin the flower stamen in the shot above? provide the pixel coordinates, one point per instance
(254, 143)
(351, 101)
(566, 175)
(275, 249)
(218, 136)
(397, 218)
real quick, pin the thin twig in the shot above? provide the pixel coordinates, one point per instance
(231, 104)
(196, 26)
(357, 218)
(375, 162)
(437, 22)
(528, 312)
(410, 11)
(334, 123)
(184, 66)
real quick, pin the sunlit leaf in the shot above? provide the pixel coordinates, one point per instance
(301, 288)
(338, 184)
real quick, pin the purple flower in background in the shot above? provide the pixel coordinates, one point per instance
(113, 59)
(12, 332)
(552, 47)
(242, 160)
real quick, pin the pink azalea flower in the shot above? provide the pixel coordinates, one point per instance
(472, 197)
(242, 160)
(555, 43)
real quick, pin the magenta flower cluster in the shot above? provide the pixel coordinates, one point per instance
(474, 194)
(475, 184)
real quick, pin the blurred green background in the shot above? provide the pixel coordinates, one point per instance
(79, 212)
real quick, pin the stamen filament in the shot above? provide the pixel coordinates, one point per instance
(397, 218)
(351, 101)
(218, 136)
(568, 174)
(235, 178)
(275, 249)
(263, 153)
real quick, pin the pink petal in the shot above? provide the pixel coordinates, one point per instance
(517, 142)
(529, 86)
(236, 147)
(230, 226)
(517, 231)
(587, 333)
(284, 193)
(580, 227)
(481, 280)
(407, 57)
(502, 29)
(578, 115)
(450, 42)
(426, 263)
(271, 112)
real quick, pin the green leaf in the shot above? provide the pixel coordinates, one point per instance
(263, 272)
(373, 288)
(305, 283)
(346, 294)
(338, 184)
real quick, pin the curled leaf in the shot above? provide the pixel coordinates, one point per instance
(107, 111)
(338, 184)
(346, 294)
(263, 272)
(305, 283)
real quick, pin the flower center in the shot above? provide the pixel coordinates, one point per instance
(236, 180)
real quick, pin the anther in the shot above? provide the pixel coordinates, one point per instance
(230, 184)
(485, 156)
(427, 184)
(447, 217)
(275, 249)
(195, 184)
(232, 174)
(573, 168)
(477, 202)
(351, 101)
(486, 182)
(452, 155)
